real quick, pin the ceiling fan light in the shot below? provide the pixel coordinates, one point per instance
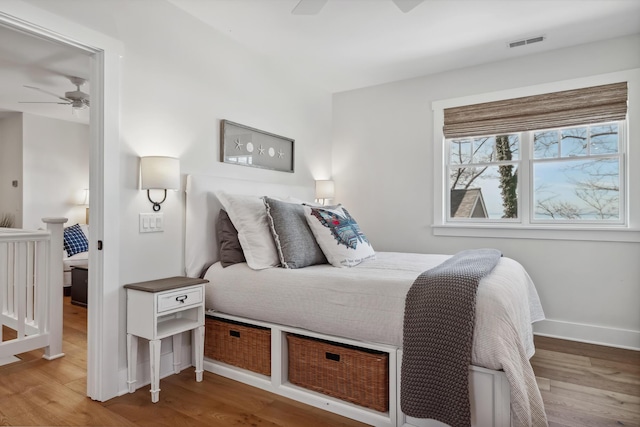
(78, 105)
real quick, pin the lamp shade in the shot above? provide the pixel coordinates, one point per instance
(159, 173)
(82, 197)
(324, 189)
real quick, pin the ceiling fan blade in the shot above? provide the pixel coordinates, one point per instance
(308, 7)
(407, 5)
(47, 92)
(43, 102)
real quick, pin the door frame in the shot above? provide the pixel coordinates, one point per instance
(103, 329)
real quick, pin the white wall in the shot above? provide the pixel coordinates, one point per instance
(179, 78)
(11, 167)
(56, 169)
(382, 166)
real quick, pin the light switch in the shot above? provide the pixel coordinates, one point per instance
(151, 222)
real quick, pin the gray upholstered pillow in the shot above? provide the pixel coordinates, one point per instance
(230, 249)
(296, 245)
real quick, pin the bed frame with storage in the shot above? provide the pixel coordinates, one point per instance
(489, 389)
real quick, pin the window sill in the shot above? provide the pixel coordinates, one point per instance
(538, 232)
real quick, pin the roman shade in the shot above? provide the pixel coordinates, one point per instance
(575, 107)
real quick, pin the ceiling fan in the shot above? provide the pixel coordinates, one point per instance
(76, 98)
(312, 7)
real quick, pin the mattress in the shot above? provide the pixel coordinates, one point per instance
(366, 302)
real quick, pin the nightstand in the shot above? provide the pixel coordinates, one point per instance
(79, 279)
(164, 308)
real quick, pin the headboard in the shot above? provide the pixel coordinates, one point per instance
(202, 207)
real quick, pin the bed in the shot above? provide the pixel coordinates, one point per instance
(362, 306)
(76, 253)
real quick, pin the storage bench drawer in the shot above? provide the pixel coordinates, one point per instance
(354, 374)
(239, 344)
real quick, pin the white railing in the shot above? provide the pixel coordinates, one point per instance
(31, 289)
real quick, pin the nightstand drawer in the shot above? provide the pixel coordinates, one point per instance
(179, 299)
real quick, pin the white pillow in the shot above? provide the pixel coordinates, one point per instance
(249, 216)
(338, 235)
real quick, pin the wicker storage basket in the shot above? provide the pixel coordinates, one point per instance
(238, 344)
(354, 374)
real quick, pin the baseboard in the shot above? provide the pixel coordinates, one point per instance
(612, 337)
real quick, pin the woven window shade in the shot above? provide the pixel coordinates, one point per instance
(595, 104)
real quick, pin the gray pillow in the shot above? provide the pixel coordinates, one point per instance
(297, 247)
(230, 249)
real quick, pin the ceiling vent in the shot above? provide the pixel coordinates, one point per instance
(525, 42)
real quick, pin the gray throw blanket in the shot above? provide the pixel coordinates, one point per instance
(439, 318)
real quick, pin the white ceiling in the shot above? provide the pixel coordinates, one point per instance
(357, 43)
(348, 45)
(31, 61)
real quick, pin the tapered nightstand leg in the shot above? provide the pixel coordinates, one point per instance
(132, 360)
(177, 352)
(154, 355)
(198, 349)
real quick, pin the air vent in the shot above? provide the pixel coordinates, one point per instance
(524, 42)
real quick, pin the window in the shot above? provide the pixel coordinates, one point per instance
(483, 177)
(574, 176)
(539, 162)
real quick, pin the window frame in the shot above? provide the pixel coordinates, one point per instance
(627, 231)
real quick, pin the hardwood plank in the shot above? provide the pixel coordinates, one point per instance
(590, 403)
(287, 415)
(590, 350)
(606, 378)
(555, 357)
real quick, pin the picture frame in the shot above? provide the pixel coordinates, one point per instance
(247, 146)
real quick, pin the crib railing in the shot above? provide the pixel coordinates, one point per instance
(31, 290)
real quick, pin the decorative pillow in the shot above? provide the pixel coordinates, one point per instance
(338, 235)
(296, 245)
(249, 216)
(75, 241)
(229, 245)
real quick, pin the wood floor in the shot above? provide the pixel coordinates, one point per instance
(585, 385)
(582, 385)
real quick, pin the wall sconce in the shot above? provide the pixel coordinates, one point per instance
(159, 173)
(324, 190)
(83, 200)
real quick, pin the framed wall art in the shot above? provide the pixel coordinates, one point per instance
(247, 146)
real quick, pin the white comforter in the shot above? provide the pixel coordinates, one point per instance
(366, 303)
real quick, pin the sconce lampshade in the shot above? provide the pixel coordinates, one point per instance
(325, 189)
(82, 198)
(159, 173)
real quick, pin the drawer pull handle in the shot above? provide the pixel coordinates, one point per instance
(332, 356)
(234, 334)
(181, 298)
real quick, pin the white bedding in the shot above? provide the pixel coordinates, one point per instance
(366, 303)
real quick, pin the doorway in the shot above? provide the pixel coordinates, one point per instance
(104, 53)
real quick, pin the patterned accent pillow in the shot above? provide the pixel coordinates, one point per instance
(339, 235)
(75, 241)
(297, 247)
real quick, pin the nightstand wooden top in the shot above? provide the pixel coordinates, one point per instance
(168, 283)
